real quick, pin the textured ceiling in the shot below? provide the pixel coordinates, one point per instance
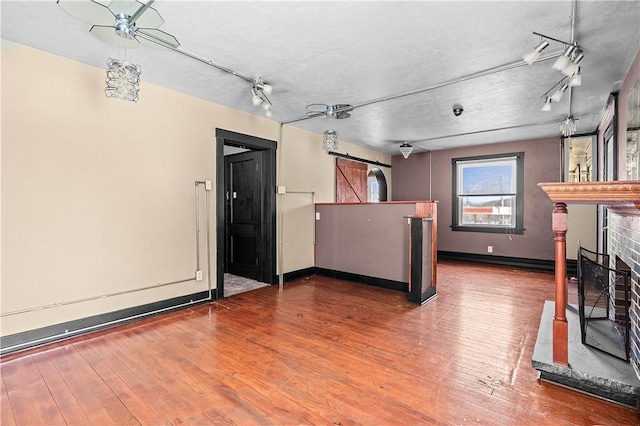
(367, 53)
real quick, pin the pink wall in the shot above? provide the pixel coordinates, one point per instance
(542, 164)
(369, 239)
(414, 174)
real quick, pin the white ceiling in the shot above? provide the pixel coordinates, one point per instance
(356, 52)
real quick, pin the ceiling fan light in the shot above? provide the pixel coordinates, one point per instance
(123, 80)
(531, 57)
(330, 140)
(266, 106)
(406, 149)
(547, 104)
(268, 113)
(267, 89)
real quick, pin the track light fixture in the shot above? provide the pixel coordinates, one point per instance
(532, 56)
(563, 60)
(576, 79)
(260, 92)
(567, 63)
(406, 149)
(572, 66)
(557, 95)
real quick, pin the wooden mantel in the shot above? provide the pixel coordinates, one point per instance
(615, 195)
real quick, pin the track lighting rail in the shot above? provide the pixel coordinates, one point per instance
(565, 43)
(160, 42)
(483, 73)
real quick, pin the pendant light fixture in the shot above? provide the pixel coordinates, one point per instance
(330, 140)
(568, 126)
(123, 80)
(406, 149)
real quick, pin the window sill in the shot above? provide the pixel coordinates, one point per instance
(488, 229)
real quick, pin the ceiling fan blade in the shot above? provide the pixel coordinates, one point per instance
(134, 18)
(145, 17)
(314, 114)
(154, 37)
(342, 111)
(316, 110)
(89, 11)
(108, 35)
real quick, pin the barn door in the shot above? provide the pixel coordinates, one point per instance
(351, 181)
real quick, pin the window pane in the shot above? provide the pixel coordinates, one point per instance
(487, 211)
(488, 177)
(374, 189)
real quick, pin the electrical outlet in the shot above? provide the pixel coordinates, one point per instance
(282, 189)
(207, 185)
(489, 249)
(198, 275)
(317, 215)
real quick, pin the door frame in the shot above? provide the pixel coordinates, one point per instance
(268, 208)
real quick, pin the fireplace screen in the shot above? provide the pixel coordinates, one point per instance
(603, 302)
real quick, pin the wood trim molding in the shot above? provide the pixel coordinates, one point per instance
(616, 195)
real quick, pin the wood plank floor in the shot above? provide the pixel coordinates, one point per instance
(319, 351)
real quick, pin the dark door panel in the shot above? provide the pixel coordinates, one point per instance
(243, 201)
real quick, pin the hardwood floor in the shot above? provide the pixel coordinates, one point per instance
(321, 351)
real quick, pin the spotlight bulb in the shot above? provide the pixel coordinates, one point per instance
(531, 57)
(267, 89)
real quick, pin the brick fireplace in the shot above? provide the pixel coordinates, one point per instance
(624, 246)
(559, 354)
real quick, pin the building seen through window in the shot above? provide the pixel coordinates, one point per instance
(488, 194)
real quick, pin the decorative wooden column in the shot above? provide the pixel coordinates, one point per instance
(619, 195)
(560, 326)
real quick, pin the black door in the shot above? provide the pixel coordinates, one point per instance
(243, 213)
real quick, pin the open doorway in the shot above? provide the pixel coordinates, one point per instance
(245, 212)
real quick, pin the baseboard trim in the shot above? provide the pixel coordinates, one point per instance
(41, 336)
(515, 262)
(363, 279)
(294, 275)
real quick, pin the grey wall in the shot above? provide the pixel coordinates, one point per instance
(542, 164)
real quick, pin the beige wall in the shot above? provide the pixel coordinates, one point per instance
(98, 194)
(582, 228)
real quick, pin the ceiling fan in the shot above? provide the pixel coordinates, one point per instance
(338, 111)
(124, 23)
